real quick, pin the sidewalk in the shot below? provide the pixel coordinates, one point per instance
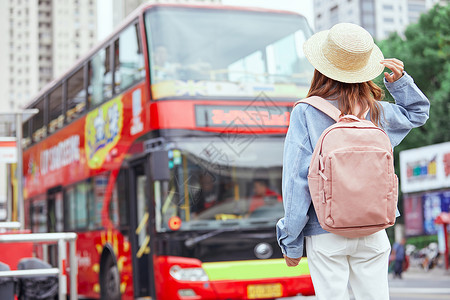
(419, 273)
(434, 283)
(420, 284)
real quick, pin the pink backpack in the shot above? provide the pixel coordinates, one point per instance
(351, 176)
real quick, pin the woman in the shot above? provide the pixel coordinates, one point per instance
(346, 60)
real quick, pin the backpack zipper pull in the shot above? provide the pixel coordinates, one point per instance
(322, 195)
(321, 168)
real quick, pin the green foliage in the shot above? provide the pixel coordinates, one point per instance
(422, 241)
(425, 51)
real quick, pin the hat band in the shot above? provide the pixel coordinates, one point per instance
(345, 60)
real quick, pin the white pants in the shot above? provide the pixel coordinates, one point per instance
(334, 261)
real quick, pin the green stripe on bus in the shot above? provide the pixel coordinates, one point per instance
(253, 269)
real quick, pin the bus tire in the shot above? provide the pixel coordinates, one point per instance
(110, 280)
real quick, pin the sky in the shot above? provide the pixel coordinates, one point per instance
(304, 7)
(104, 18)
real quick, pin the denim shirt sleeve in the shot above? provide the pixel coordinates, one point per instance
(296, 197)
(411, 109)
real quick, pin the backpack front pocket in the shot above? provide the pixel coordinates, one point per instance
(359, 186)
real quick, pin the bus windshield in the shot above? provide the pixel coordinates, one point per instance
(226, 54)
(223, 183)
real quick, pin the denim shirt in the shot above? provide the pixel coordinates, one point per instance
(411, 109)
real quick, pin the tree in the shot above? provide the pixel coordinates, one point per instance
(425, 50)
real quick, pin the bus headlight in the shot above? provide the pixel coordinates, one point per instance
(188, 274)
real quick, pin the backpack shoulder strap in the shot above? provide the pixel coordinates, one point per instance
(322, 105)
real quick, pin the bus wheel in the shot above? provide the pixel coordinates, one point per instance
(110, 281)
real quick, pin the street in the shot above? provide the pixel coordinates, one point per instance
(415, 285)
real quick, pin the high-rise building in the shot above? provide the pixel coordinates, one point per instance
(122, 8)
(379, 17)
(417, 7)
(40, 40)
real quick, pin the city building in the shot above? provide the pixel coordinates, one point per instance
(379, 17)
(40, 40)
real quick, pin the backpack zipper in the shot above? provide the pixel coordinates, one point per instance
(329, 130)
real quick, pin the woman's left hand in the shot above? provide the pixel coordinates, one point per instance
(396, 66)
(291, 262)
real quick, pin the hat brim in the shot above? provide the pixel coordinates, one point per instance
(314, 53)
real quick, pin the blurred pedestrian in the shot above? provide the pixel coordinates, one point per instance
(346, 60)
(398, 252)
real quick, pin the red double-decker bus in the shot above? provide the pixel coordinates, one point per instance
(162, 149)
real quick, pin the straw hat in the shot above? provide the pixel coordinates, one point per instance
(345, 53)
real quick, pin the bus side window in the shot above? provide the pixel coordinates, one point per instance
(129, 65)
(39, 129)
(114, 207)
(96, 193)
(55, 105)
(100, 78)
(76, 95)
(81, 207)
(76, 207)
(39, 214)
(69, 209)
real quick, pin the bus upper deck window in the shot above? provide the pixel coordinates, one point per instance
(39, 129)
(100, 78)
(26, 134)
(128, 59)
(56, 117)
(76, 95)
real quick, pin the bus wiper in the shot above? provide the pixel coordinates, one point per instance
(190, 242)
(262, 222)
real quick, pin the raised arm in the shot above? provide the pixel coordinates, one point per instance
(411, 108)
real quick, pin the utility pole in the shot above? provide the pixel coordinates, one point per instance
(18, 117)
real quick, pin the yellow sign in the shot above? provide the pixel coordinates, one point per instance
(261, 291)
(103, 130)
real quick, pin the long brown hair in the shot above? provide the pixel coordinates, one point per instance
(350, 95)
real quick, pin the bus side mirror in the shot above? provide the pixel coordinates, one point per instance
(159, 165)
